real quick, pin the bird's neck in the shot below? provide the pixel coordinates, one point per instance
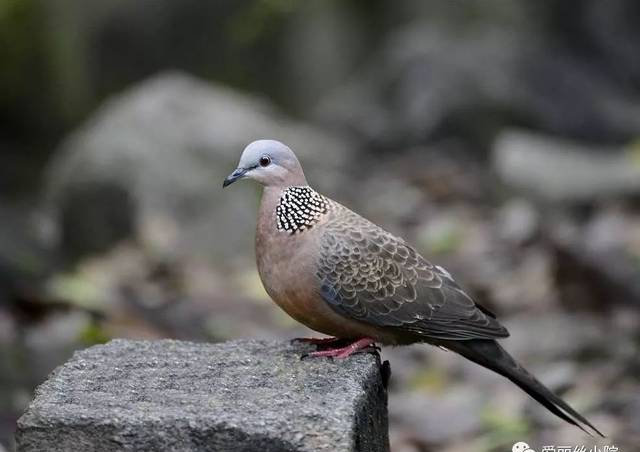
(270, 199)
(292, 209)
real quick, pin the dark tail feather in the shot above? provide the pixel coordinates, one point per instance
(489, 354)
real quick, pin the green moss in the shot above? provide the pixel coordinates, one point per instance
(94, 334)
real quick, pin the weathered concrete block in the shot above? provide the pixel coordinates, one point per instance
(180, 396)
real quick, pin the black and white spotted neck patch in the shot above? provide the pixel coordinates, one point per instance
(299, 209)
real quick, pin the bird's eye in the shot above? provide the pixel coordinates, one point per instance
(265, 160)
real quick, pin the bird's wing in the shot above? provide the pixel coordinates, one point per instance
(368, 274)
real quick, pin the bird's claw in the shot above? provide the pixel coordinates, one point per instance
(364, 345)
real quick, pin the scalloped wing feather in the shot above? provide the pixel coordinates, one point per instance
(370, 275)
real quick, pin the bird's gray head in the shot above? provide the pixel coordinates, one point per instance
(269, 162)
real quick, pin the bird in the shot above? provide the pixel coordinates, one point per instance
(342, 275)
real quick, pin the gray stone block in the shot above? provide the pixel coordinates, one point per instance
(234, 396)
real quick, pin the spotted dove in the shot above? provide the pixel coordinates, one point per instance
(339, 274)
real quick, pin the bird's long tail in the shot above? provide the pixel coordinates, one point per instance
(489, 354)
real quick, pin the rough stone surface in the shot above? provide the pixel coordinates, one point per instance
(234, 396)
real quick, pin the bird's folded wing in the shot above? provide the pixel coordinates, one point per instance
(370, 275)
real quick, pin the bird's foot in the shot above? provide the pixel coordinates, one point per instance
(364, 344)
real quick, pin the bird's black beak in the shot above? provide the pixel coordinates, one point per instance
(238, 173)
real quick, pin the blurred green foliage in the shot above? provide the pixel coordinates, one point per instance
(503, 430)
(258, 20)
(430, 379)
(77, 289)
(21, 60)
(94, 334)
(445, 239)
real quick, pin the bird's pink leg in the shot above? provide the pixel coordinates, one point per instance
(344, 352)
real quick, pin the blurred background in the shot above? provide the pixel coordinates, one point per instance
(500, 137)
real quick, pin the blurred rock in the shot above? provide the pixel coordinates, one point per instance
(518, 221)
(22, 260)
(402, 442)
(432, 79)
(559, 170)
(52, 341)
(526, 282)
(380, 193)
(153, 159)
(438, 418)
(109, 209)
(631, 408)
(556, 335)
(612, 29)
(419, 79)
(597, 261)
(315, 61)
(8, 327)
(559, 376)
